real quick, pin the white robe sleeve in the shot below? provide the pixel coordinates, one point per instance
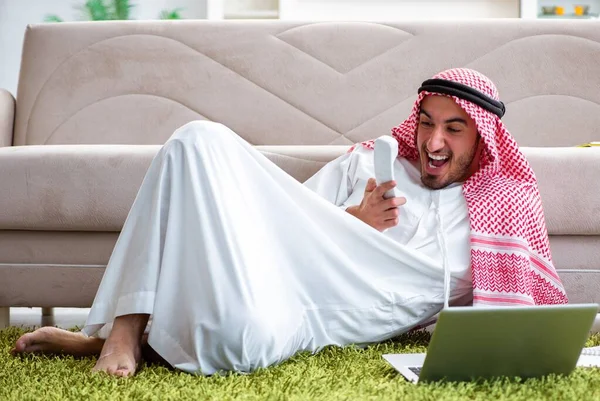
(339, 180)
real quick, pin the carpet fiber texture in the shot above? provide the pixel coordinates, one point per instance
(332, 374)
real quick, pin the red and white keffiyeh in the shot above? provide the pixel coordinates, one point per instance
(510, 254)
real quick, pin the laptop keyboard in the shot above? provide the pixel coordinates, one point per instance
(416, 370)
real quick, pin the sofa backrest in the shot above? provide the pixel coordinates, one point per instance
(290, 83)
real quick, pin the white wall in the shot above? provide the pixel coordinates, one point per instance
(14, 17)
(391, 10)
(16, 14)
(529, 9)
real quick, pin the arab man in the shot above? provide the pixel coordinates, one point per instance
(240, 266)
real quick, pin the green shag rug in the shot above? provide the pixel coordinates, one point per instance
(332, 374)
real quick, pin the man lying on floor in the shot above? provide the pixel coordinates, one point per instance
(240, 266)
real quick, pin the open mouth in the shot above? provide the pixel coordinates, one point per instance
(437, 161)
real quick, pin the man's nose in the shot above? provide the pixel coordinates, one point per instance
(436, 140)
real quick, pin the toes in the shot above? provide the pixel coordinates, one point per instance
(114, 368)
(35, 348)
(100, 369)
(119, 372)
(22, 343)
(123, 372)
(31, 342)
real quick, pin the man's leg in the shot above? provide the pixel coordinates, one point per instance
(122, 350)
(53, 340)
(119, 354)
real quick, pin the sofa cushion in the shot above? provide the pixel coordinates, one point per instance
(7, 117)
(92, 187)
(70, 187)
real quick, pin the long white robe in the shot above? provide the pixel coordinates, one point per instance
(241, 266)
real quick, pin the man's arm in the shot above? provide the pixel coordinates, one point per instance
(337, 182)
(334, 180)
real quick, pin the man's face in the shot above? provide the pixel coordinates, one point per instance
(448, 143)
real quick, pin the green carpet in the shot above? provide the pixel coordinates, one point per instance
(333, 374)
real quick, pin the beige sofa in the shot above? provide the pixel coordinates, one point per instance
(96, 100)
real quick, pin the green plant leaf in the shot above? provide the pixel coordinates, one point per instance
(121, 9)
(103, 10)
(170, 14)
(52, 18)
(96, 10)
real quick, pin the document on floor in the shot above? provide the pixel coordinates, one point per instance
(590, 357)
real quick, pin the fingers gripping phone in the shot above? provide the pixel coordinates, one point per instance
(386, 152)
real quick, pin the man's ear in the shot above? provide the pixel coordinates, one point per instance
(483, 150)
(479, 140)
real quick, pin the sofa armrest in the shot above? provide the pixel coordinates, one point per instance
(7, 117)
(568, 181)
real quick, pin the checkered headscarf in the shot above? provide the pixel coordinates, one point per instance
(510, 254)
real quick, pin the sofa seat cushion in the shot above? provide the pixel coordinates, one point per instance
(70, 187)
(92, 187)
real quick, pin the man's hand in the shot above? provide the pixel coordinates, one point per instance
(376, 211)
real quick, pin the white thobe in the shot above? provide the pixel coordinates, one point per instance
(241, 266)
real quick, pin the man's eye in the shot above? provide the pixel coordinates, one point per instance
(426, 124)
(453, 130)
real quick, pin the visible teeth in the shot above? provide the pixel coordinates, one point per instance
(436, 157)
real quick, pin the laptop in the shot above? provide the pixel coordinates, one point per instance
(479, 343)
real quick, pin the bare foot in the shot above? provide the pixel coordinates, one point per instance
(53, 340)
(122, 350)
(118, 361)
(119, 354)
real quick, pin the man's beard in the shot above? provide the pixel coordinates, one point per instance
(458, 173)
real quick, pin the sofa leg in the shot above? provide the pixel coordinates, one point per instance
(4, 316)
(47, 312)
(48, 317)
